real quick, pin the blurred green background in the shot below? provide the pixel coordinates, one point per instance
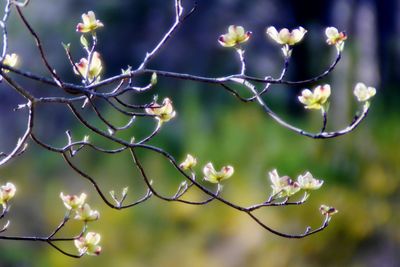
(361, 170)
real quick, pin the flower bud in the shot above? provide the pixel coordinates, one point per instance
(327, 210)
(7, 192)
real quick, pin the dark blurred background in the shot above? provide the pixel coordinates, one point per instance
(361, 170)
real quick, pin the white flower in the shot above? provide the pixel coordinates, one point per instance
(286, 37)
(189, 163)
(308, 182)
(164, 113)
(334, 36)
(282, 186)
(236, 35)
(316, 99)
(213, 176)
(363, 93)
(73, 202)
(86, 214)
(89, 244)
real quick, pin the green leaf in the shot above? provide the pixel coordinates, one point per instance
(84, 41)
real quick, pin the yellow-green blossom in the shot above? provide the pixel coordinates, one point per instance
(164, 113)
(86, 214)
(89, 244)
(73, 202)
(215, 177)
(286, 37)
(363, 93)
(282, 186)
(7, 192)
(90, 23)
(235, 35)
(334, 36)
(10, 60)
(308, 182)
(95, 68)
(189, 163)
(316, 99)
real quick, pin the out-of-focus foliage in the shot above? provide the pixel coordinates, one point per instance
(361, 170)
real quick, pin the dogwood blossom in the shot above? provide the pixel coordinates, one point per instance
(89, 244)
(164, 113)
(189, 163)
(363, 93)
(286, 37)
(235, 35)
(90, 23)
(317, 98)
(215, 177)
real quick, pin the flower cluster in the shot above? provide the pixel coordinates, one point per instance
(85, 244)
(7, 192)
(163, 113)
(77, 204)
(284, 186)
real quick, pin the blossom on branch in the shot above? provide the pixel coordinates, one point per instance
(327, 210)
(235, 35)
(282, 186)
(316, 99)
(89, 244)
(189, 163)
(286, 37)
(7, 192)
(334, 36)
(73, 202)
(363, 93)
(90, 23)
(86, 214)
(215, 177)
(95, 68)
(10, 60)
(164, 113)
(308, 182)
